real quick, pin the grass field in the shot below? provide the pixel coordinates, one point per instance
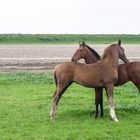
(25, 100)
(67, 38)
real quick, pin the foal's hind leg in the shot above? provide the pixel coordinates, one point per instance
(99, 100)
(56, 97)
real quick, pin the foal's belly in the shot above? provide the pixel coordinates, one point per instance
(89, 85)
(88, 80)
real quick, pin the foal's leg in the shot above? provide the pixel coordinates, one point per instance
(56, 97)
(99, 100)
(109, 91)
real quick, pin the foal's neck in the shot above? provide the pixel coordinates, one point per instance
(90, 58)
(111, 57)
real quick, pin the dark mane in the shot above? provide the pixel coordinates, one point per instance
(94, 52)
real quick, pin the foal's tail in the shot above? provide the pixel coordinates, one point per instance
(55, 78)
(54, 74)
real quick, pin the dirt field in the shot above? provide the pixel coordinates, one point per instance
(46, 57)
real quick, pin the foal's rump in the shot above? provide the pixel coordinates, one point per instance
(133, 70)
(89, 75)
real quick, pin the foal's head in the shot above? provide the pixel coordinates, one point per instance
(122, 55)
(115, 50)
(83, 52)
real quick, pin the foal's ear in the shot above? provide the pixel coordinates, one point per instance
(80, 45)
(83, 43)
(119, 42)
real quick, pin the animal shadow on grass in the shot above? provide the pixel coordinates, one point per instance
(123, 111)
(83, 114)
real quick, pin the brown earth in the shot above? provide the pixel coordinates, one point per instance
(46, 57)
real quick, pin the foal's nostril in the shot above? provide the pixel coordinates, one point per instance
(127, 61)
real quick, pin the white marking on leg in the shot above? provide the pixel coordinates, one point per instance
(53, 109)
(112, 113)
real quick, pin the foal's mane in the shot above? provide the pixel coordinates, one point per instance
(94, 52)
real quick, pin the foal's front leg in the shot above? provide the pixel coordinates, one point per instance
(109, 91)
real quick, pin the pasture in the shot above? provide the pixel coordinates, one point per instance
(25, 99)
(67, 38)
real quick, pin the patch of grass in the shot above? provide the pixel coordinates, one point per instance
(67, 38)
(25, 100)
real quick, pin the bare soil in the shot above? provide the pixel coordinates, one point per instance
(46, 57)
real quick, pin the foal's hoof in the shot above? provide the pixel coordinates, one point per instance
(101, 115)
(52, 115)
(115, 119)
(95, 115)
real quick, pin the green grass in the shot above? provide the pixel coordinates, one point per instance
(67, 38)
(25, 100)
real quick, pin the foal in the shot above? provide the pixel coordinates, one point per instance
(126, 72)
(101, 74)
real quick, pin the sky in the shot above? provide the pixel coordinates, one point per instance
(70, 16)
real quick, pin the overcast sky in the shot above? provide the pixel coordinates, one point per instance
(70, 16)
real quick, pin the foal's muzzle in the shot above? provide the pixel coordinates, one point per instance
(127, 61)
(73, 59)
